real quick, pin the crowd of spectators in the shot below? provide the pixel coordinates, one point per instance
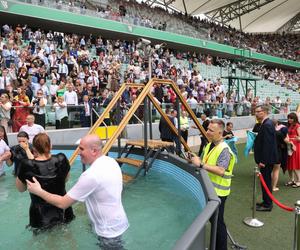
(290, 80)
(40, 68)
(280, 45)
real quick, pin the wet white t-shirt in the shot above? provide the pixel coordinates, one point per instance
(100, 187)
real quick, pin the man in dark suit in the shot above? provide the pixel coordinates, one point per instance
(85, 114)
(204, 141)
(166, 134)
(265, 153)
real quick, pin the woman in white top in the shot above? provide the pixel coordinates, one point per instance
(61, 113)
(5, 107)
(4, 150)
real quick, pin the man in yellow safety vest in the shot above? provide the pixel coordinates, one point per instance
(218, 160)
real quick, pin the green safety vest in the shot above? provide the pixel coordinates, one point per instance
(220, 183)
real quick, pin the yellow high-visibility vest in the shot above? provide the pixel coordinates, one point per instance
(220, 183)
(184, 122)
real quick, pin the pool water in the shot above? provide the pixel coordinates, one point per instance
(159, 209)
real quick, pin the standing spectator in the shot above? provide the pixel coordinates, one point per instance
(71, 99)
(192, 102)
(218, 160)
(277, 104)
(31, 128)
(70, 95)
(293, 163)
(184, 125)
(205, 122)
(39, 103)
(93, 79)
(228, 134)
(63, 70)
(287, 105)
(5, 108)
(265, 153)
(100, 187)
(282, 140)
(5, 80)
(53, 60)
(53, 89)
(85, 115)
(166, 133)
(21, 109)
(61, 113)
(4, 150)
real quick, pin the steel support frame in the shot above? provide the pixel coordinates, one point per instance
(292, 25)
(235, 10)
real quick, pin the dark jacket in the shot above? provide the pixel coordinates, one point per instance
(165, 131)
(265, 144)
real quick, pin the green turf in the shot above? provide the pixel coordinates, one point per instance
(278, 230)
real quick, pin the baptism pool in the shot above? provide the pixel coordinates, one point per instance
(160, 207)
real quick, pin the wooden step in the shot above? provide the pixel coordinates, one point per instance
(130, 161)
(153, 144)
(127, 178)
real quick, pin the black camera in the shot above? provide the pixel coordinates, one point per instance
(36, 101)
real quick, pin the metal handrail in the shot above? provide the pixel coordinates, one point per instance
(136, 116)
(105, 125)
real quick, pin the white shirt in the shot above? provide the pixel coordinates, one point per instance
(63, 69)
(6, 80)
(93, 80)
(5, 111)
(32, 130)
(71, 98)
(192, 102)
(3, 149)
(53, 89)
(87, 109)
(100, 187)
(60, 111)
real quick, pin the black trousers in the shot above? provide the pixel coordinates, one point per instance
(86, 121)
(40, 119)
(62, 124)
(221, 243)
(266, 172)
(184, 134)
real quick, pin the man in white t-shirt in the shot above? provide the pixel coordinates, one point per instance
(31, 128)
(100, 187)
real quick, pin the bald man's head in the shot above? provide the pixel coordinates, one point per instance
(90, 148)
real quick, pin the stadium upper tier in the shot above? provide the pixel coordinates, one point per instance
(93, 21)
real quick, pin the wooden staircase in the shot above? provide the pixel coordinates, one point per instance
(154, 148)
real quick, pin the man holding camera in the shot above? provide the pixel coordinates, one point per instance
(39, 108)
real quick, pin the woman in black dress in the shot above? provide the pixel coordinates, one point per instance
(52, 172)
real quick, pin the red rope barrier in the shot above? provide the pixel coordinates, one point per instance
(290, 209)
